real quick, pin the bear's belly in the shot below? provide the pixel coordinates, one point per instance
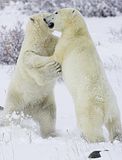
(82, 78)
(30, 91)
(71, 73)
(36, 93)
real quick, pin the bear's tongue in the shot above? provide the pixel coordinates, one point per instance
(51, 25)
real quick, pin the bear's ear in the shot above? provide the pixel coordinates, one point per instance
(32, 19)
(73, 12)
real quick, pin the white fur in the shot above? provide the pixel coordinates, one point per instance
(83, 73)
(31, 87)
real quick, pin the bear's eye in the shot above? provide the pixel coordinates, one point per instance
(56, 12)
(73, 11)
(32, 19)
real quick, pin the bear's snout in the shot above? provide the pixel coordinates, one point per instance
(50, 24)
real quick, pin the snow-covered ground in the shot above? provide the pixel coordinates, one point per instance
(23, 144)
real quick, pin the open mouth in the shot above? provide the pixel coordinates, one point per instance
(51, 25)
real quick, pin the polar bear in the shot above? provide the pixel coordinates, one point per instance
(31, 87)
(84, 76)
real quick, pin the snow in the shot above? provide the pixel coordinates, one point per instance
(18, 143)
(10, 15)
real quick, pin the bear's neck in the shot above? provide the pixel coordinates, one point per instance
(35, 41)
(74, 30)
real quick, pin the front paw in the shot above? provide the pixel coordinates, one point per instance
(54, 68)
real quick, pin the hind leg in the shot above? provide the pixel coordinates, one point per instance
(91, 130)
(114, 128)
(45, 114)
(47, 120)
(90, 122)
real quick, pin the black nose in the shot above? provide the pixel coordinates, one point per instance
(51, 25)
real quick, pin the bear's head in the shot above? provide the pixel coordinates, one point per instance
(36, 24)
(65, 18)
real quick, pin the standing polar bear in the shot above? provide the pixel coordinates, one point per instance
(31, 87)
(83, 74)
